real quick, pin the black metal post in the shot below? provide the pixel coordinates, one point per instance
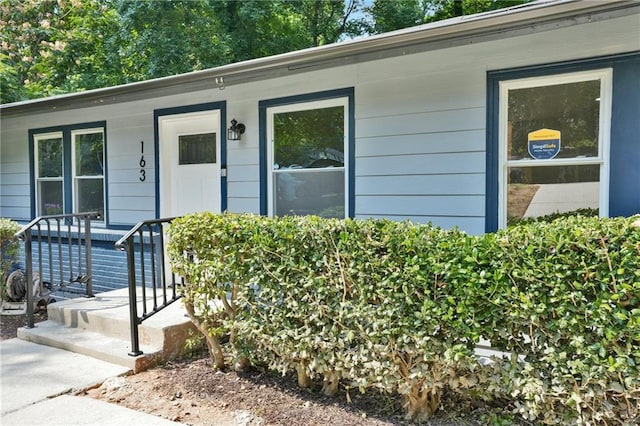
(133, 304)
(87, 247)
(60, 267)
(163, 263)
(152, 255)
(127, 243)
(143, 278)
(29, 266)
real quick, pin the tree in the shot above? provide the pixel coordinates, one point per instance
(255, 28)
(393, 15)
(326, 21)
(444, 9)
(59, 46)
(389, 15)
(258, 28)
(163, 38)
(52, 47)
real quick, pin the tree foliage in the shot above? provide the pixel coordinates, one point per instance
(390, 15)
(51, 47)
(9, 249)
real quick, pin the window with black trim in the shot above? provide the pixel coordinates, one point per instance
(307, 154)
(554, 144)
(69, 170)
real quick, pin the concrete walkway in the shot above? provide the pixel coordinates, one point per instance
(38, 384)
(563, 197)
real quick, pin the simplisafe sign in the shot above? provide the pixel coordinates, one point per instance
(544, 144)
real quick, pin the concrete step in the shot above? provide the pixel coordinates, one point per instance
(95, 345)
(100, 327)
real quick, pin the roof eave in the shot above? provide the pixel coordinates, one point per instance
(346, 52)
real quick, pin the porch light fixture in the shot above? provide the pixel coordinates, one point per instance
(235, 131)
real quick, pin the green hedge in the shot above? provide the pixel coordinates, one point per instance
(573, 289)
(400, 307)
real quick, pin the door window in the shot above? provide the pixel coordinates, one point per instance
(197, 149)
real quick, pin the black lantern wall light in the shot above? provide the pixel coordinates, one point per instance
(235, 131)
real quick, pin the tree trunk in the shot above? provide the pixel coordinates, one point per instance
(242, 364)
(330, 384)
(215, 349)
(422, 403)
(303, 379)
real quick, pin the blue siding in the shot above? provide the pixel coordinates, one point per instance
(109, 266)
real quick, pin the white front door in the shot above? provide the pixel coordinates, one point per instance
(189, 163)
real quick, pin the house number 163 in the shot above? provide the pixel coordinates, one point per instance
(143, 163)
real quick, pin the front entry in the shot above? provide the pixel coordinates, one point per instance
(190, 158)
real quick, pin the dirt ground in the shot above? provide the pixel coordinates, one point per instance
(520, 196)
(190, 391)
(9, 324)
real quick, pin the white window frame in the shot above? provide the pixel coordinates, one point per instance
(36, 149)
(305, 106)
(605, 77)
(75, 178)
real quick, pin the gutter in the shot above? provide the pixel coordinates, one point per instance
(518, 20)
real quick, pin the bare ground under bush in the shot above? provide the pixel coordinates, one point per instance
(190, 391)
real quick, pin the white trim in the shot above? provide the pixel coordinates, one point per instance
(605, 76)
(76, 178)
(36, 172)
(302, 171)
(342, 101)
(606, 95)
(80, 132)
(87, 131)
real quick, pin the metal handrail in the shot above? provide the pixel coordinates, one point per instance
(144, 234)
(26, 234)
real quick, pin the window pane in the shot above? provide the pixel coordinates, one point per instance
(90, 195)
(89, 154)
(50, 157)
(573, 109)
(310, 192)
(50, 197)
(309, 139)
(197, 149)
(539, 191)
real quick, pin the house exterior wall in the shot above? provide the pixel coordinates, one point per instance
(420, 129)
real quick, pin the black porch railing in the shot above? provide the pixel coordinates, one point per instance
(147, 271)
(61, 246)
